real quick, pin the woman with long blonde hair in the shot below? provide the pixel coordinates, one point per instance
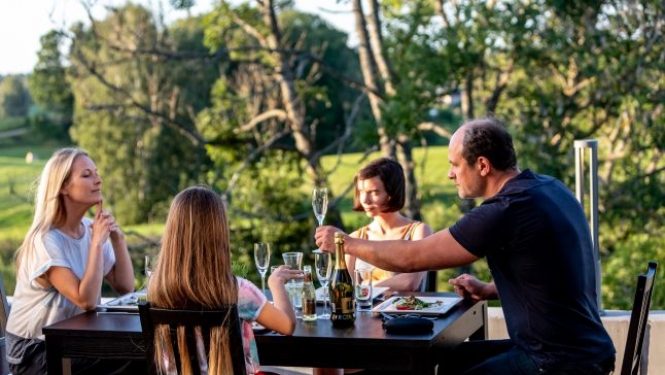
(63, 261)
(194, 272)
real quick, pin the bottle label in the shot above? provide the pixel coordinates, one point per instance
(309, 307)
(347, 306)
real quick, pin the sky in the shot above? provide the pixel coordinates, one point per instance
(23, 22)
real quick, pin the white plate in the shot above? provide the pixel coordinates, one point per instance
(129, 302)
(442, 306)
(376, 291)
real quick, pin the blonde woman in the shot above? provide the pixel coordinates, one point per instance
(194, 271)
(63, 261)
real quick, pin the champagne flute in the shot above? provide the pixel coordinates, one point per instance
(147, 270)
(323, 265)
(147, 267)
(320, 203)
(262, 261)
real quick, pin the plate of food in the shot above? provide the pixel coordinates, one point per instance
(127, 303)
(417, 305)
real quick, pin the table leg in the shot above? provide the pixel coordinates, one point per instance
(66, 366)
(54, 360)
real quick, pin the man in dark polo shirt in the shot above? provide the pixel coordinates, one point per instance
(536, 239)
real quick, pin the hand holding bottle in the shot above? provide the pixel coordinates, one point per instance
(325, 237)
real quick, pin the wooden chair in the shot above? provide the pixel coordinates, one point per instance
(638, 320)
(226, 317)
(4, 315)
(4, 307)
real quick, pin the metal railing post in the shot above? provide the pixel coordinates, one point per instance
(592, 146)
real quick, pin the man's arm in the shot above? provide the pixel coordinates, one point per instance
(437, 251)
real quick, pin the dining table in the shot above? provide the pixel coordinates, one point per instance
(117, 335)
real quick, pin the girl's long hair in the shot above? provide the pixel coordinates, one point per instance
(49, 204)
(194, 272)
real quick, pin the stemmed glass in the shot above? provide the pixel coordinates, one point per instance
(320, 203)
(262, 261)
(323, 265)
(147, 270)
(148, 267)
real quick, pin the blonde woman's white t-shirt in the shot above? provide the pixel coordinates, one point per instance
(34, 306)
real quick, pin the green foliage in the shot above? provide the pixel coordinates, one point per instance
(51, 91)
(139, 148)
(14, 97)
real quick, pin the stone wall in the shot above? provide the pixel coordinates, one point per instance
(616, 322)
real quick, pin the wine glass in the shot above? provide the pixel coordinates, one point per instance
(262, 261)
(320, 203)
(323, 265)
(148, 267)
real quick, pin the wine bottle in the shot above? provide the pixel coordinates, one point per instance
(341, 289)
(308, 296)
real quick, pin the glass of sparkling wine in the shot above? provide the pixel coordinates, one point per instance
(320, 203)
(294, 287)
(262, 261)
(323, 265)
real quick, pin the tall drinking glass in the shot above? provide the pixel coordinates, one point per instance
(362, 279)
(293, 259)
(320, 203)
(262, 260)
(323, 265)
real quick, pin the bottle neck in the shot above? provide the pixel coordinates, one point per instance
(340, 261)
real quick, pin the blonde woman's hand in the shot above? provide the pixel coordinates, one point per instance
(101, 225)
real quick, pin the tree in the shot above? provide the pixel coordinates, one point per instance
(50, 89)
(130, 112)
(268, 110)
(14, 97)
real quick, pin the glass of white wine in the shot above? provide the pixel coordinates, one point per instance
(320, 203)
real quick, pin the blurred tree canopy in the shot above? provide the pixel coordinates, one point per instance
(249, 97)
(14, 97)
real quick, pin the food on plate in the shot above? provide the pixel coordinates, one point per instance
(413, 303)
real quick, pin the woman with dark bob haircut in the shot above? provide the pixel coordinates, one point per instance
(380, 191)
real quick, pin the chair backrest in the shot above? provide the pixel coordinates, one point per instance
(227, 317)
(429, 282)
(4, 307)
(4, 315)
(638, 320)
